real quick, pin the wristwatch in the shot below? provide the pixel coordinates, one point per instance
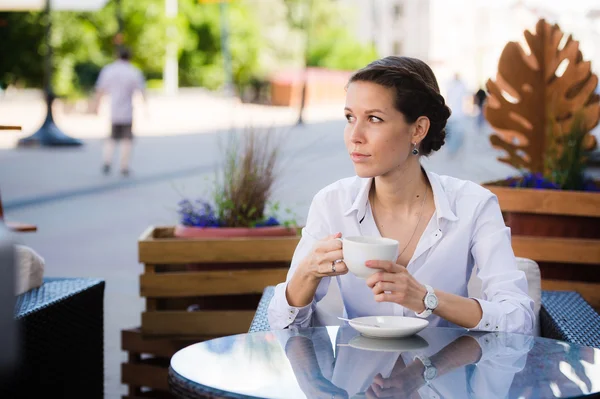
(430, 301)
(430, 371)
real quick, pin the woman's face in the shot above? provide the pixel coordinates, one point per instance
(377, 136)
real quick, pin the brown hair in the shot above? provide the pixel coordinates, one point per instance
(417, 94)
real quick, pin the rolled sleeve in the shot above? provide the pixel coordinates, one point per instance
(280, 313)
(505, 302)
(495, 347)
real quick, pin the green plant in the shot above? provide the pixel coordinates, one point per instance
(565, 158)
(243, 185)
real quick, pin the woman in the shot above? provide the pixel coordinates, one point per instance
(445, 226)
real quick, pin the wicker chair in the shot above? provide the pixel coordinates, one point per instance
(564, 316)
(61, 341)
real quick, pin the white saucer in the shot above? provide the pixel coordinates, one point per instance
(388, 345)
(389, 326)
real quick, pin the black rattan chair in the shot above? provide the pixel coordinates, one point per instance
(61, 334)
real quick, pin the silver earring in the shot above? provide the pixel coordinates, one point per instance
(415, 150)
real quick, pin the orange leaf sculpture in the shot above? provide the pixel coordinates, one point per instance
(531, 105)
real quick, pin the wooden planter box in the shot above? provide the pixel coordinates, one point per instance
(561, 231)
(146, 371)
(222, 279)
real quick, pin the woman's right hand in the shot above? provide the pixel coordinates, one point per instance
(320, 262)
(325, 259)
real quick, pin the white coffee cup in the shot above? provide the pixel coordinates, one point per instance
(358, 250)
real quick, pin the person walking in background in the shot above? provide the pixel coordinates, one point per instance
(480, 98)
(120, 80)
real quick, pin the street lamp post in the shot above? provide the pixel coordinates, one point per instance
(48, 134)
(121, 24)
(227, 68)
(229, 90)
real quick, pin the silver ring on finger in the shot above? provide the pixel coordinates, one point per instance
(334, 263)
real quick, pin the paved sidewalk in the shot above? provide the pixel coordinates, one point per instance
(190, 111)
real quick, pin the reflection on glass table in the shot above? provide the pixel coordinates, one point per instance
(336, 362)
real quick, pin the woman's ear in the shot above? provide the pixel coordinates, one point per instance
(421, 127)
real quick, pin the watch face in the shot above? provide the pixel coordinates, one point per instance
(431, 302)
(430, 373)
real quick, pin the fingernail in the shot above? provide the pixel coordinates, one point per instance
(368, 263)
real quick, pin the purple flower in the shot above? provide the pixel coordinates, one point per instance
(533, 180)
(271, 221)
(200, 215)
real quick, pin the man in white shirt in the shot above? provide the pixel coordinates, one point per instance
(120, 80)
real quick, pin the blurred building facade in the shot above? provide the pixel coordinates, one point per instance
(395, 27)
(468, 36)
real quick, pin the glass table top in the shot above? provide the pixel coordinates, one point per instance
(337, 362)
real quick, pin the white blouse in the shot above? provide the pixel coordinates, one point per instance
(466, 229)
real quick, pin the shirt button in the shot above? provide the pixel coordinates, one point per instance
(487, 324)
(496, 327)
(291, 311)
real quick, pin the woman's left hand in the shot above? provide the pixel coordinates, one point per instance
(393, 283)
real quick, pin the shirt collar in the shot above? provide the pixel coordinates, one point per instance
(440, 199)
(361, 200)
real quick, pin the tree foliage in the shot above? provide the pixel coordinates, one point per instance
(263, 36)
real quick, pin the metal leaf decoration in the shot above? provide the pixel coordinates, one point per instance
(535, 99)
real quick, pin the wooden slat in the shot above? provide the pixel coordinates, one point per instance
(133, 358)
(148, 234)
(228, 282)
(151, 304)
(216, 323)
(133, 341)
(4, 127)
(564, 250)
(145, 375)
(21, 227)
(173, 250)
(589, 291)
(554, 202)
